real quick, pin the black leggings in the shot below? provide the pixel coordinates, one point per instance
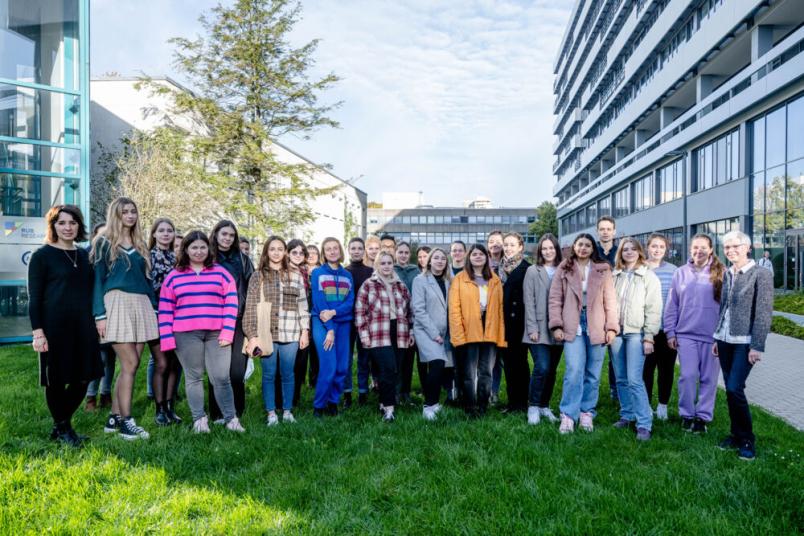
(433, 381)
(664, 359)
(64, 400)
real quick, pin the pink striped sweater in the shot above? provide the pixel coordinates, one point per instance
(192, 301)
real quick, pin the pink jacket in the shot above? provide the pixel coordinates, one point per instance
(203, 301)
(566, 301)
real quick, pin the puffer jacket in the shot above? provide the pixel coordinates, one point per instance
(642, 312)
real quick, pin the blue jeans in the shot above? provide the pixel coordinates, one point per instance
(285, 354)
(582, 375)
(735, 366)
(107, 356)
(629, 361)
(545, 363)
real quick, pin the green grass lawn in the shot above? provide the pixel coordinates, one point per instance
(790, 303)
(354, 474)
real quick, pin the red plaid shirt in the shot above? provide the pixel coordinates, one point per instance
(373, 314)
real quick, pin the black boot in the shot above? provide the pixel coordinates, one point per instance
(362, 399)
(332, 409)
(67, 435)
(161, 418)
(347, 400)
(170, 409)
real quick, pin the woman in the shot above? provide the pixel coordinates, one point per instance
(382, 319)
(407, 273)
(164, 370)
(690, 319)
(289, 324)
(297, 257)
(225, 248)
(431, 327)
(333, 301)
(422, 255)
(124, 306)
(197, 318)
(545, 350)
(582, 314)
(476, 323)
(639, 296)
(372, 248)
(60, 308)
(104, 384)
(313, 258)
(746, 308)
(512, 270)
(663, 358)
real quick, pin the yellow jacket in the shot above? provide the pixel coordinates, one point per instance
(465, 325)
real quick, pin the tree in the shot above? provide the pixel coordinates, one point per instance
(546, 220)
(251, 87)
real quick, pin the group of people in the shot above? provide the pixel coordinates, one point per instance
(464, 316)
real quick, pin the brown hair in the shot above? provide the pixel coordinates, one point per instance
(52, 217)
(548, 237)
(658, 236)
(156, 224)
(428, 268)
(608, 219)
(619, 263)
(183, 262)
(265, 265)
(324, 243)
(517, 236)
(716, 269)
(470, 271)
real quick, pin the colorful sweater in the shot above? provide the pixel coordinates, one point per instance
(197, 301)
(333, 289)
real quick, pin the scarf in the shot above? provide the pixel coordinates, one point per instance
(508, 265)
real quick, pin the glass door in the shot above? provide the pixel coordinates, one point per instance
(794, 265)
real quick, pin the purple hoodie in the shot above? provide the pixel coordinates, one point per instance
(691, 309)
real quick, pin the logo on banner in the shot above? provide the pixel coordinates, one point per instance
(10, 226)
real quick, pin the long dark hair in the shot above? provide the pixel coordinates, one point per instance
(467, 267)
(52, 217)
(717, 268)
(594, 257)
(547, 237)
(183, 262)
(265, 263)
(213, 238)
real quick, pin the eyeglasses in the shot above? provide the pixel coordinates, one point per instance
(297, 253)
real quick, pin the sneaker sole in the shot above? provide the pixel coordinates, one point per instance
(110, 430)
(128, 437)
(747, 459)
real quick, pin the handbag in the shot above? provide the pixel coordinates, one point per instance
(266, 342)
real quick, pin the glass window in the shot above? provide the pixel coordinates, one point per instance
(472, 219)
(795, 184)
(38, 114)
(40, 158)
(431, 219)
(622, 204)
(758, 139)
(405, 220)
(775, 134)
(721, 149)
(498, 219)
(795, 129)
(758, 185)
(31, 197)
(735, 155)
(774, 189)
(39, 40)
(604, 207)
(439, 219)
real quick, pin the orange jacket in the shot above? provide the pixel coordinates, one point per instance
(465, 324)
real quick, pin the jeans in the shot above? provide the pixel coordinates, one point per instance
(735, 366)
(582, 375)
(699, 369)
(478, 364)
(284, 357)
(545, 363)
(333, 364)
(662, 359)
(303, 357)
(363, 364)
(629, 359)
(517, 373)
(105, 383)
(496, 377)
(237, 374)
(198, 351)
(408, 357)
(433, 381)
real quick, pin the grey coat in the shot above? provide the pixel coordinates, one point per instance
(430, 319)
(536, 289)
(750, 301)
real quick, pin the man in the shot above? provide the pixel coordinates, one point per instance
(360, 273)
(406, 272)
(765, 262)
(388, 244)
(607, 247)
(495, 248)
(457, 254)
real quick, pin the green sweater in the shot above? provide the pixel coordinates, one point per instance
(126, 274)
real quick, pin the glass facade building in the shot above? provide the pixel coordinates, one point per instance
(44, 135)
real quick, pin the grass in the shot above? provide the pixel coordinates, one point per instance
(354, 474)
(790, 303)
(785, 326)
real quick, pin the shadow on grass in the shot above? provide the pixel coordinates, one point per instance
(355, 474)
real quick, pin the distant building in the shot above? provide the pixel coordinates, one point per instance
(683, 117)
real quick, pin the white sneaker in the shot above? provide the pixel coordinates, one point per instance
(429, 413)
(533, 415)
(272, 419)
(288, 417)
(235, 426)
(220, 421)
(661, 412)
(548, 414)
(587, 422)
(201, 426)
(567, 425)
(388, 414)
(437, 408)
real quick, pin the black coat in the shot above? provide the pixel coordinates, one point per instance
(514, 304)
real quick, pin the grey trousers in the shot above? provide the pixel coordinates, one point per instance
(198, 351)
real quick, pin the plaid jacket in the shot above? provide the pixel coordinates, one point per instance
(290, 313)
(373, 314)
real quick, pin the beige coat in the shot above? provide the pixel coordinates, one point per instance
(643, 302)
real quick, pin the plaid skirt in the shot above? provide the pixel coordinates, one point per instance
(129, 318)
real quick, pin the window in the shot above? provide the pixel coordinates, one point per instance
(716, 230)
(774, 137)
(622, 203)
(718, 161)
(795, 129)
(591, 214)
(604, 207)
(644, 193)
(758, 139)
(671, 179)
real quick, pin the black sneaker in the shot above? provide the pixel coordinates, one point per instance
(318, 413)
(362, 399)
(170, 409)
(686, 424)
(698, 426)
(112, 423)
(729, 443)
(130, 431)
(161, 418)
(347, 400)
(67, 436)
(332, 409)
(746, 452)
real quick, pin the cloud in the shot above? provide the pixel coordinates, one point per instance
(453, 98)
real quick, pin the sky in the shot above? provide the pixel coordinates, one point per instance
(452, 98)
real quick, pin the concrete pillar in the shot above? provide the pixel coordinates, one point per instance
(619, 154)
(761, 41)
(666, 116)
(704, 85)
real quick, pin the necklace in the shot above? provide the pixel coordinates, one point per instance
(74, 261)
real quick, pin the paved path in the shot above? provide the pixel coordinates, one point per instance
(798, 319)
(777, 383)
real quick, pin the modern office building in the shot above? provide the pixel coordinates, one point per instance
(684, 116)
(44, 142)
(440, 226)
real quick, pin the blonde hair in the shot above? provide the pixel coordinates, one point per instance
(428, 269)
(380, 256)
(619, 263)
(370, 239)
(113, 234)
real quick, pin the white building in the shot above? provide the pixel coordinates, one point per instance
(118, 107)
